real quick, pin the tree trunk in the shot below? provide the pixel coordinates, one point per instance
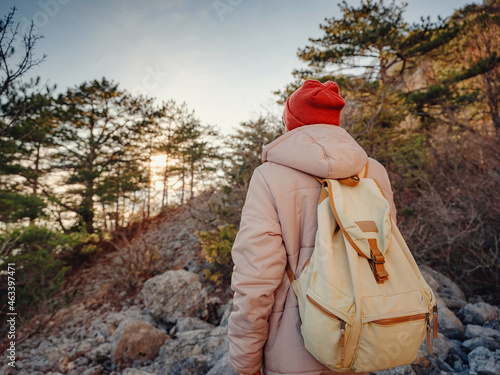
(148, 208)
(117, 212)
(86, 210)
(37, 169)
(183, 187)
(105, 216)
(164, 195)
(191, 184)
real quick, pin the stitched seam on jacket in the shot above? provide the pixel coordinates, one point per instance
(242, 369)
(300, 129)
(249, 329)
(259, 278)
(271, 221)
(303, 188)
(324, 153)
(296, 190)
(272, 195)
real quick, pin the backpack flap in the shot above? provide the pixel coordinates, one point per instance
(363, 214)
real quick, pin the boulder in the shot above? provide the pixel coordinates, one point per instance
(456, 356)
(448, 323)
(225, 311)
(425, 361)
(479, 342)
(222, 367)
(484, 362)
(473, 331)
(100, 352)
(191, 324)
(192, 353)
(450, 292)
(135, 340)
(494, 324)
(439, 347)
(175, 294)
(478, 313)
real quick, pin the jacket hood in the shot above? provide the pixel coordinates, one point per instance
(321, 150)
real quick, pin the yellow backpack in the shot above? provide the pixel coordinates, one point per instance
(364, 305)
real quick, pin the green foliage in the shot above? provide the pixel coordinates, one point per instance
(99, 129)
(370, 30)
(15, 206)
(40, 269)
(466, 71)
(39, 276)
(408, 158)
(43, 257)
(22, 145)
(217, 245)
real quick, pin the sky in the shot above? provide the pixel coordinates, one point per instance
(223, 58)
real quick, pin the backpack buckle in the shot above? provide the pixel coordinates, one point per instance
(377, 259)
(377, 262)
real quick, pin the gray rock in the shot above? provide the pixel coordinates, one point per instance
(222, 367)
(82, 349)
(494, 324)
(479, 342)
(96, 370)
(135, 340)
(450, 292)
(479, 313)
(456, 356)
(448, 323)
(134, 371)
(226, 310)
(473, 331)
(184, 233)
(484, 362)
(175, 294)
(400, 370)
(7, 370)
(440, 350)
(136, 313)
(191, 324)
(192, 353)
(82, 361)
(102, 351)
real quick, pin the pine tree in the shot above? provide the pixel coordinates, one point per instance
(99, 125)
(26, 146)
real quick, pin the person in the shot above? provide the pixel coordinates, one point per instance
(278, 225)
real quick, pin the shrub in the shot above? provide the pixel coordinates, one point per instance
(217, 245)
(453, 224)
(39, 269)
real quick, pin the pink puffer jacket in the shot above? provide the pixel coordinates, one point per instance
(278, 223)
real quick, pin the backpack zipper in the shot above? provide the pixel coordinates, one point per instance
(402, 319)
(342, 326)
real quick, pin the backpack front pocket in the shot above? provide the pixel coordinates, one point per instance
(327, 330)
(391, 341)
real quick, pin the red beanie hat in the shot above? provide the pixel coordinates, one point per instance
(313, 103)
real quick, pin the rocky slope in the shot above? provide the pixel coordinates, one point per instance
(175, 323)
